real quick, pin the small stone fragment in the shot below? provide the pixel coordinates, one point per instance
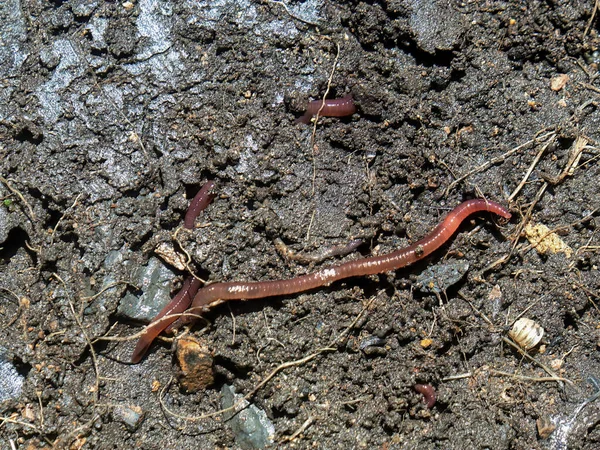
(559, 82)
(11, 382)
(130, 416)
(439, 278)
(371, 341)
(251, 426)
(155, 282)
(195, 363)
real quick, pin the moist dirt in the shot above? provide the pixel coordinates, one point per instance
(113, 115)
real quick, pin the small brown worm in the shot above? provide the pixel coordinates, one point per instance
(330, 252)
(217, 293)
(428, 392)
(176, 306)
(337, 107)
(200, 201)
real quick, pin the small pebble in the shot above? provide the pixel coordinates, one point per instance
(440, 277)
(251, 426)
(11, 382)
(130, 416)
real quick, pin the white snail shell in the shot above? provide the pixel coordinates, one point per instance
(526, 333)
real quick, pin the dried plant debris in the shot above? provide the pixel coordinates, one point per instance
(545, 241)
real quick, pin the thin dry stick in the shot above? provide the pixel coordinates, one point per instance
(85, 336)
(265, 380)
(589, 86)
(502, 157)
(20, 304)
(459, 376)
(524, 353)
(314, 133)
(589, 24)
(250, 394)
(142, 331)
(314, 130)
(66, 439)
(518, 230)
(62, 217)
(525, 377)
(589, 294)
(531, 305)
(18, 194)
(575, 153)
(4, 420)
(483, 316)
(555, 230)
(528, 214)
(39, 396)
(293, 16)
(307, 423)
(536, 160)
(104, 289)
(187, 255)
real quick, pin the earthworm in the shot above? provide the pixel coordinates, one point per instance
(217, 293)
(179, 304)
(198, 204)
(428, 392)
(220, 292)
(337, 107)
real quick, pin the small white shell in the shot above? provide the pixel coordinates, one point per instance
(526, 333)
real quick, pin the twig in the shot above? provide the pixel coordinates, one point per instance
(62, 217)
(307, 423)
(525, 377)
(20, 304)
(550, 372)
(459, 376)
(293, 16)
(536, 160)
(518, 230)
(85, 336)
(18, 194)
(104, 289)
(589, 24)
(187, 255)
(575, 153)
(502, 157)
(4, 420)
(64, 440)
(555, 230)
(314, 130)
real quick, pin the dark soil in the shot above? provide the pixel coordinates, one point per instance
(113, 114)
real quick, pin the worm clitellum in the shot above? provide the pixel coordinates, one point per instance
(337, 107)
(217, 293)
